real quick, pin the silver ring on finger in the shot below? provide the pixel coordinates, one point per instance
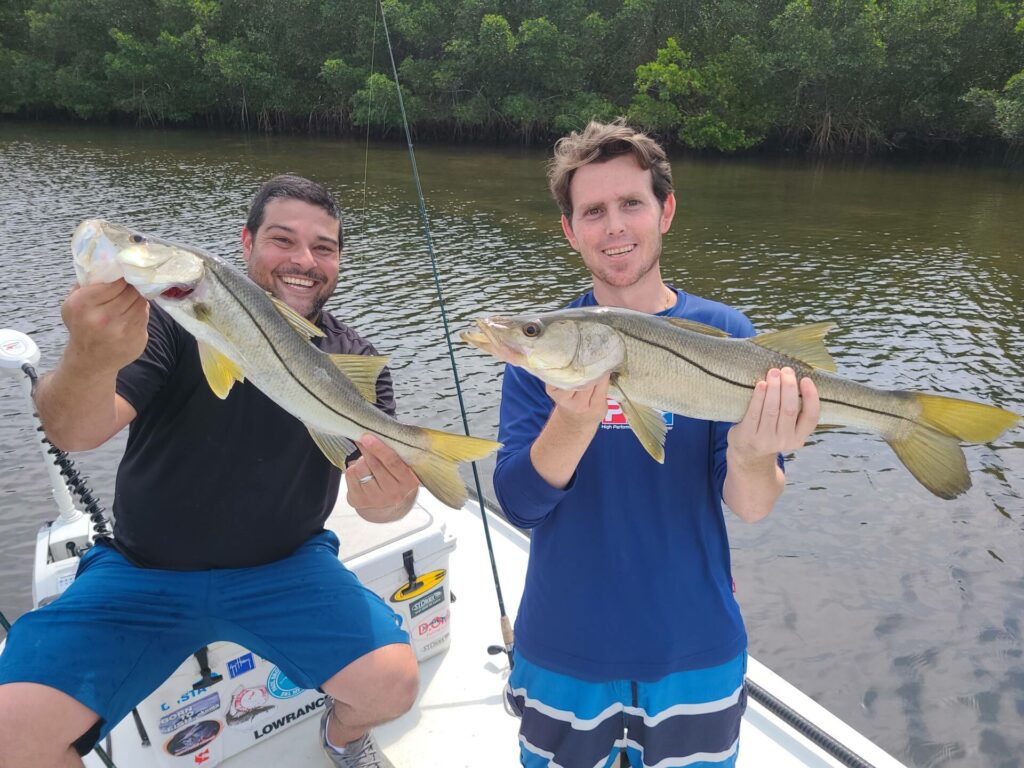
(365, 479)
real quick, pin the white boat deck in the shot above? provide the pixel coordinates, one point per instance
(459, 718)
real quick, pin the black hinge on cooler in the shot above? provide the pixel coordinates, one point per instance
(209, 677)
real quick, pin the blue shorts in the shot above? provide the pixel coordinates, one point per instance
(687, 718)
(119, 631)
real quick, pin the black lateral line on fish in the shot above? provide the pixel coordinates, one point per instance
(721, 378)
(301, 383)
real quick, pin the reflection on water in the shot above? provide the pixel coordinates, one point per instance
(898, 611)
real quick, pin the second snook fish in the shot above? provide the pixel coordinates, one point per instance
(680, 366)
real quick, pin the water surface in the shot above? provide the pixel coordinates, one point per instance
(898, 611)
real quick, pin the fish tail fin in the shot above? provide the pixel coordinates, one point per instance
(437, 467)
(931, 451)
(965, 420)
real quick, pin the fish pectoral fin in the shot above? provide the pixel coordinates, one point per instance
(221, 371)
(647, 423)
(693, 325)
(363, 371)
(295, 320)
(437, 467)
(335, 447)
(805, 343)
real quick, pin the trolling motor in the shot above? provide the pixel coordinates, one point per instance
(61, 541)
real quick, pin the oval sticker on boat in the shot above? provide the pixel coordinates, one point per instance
(423, 583)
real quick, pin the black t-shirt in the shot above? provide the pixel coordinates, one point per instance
(209, 483)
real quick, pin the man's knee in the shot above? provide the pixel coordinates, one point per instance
(389, 677)
(38, 725)
(398, 679)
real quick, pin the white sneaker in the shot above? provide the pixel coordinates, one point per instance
(361, 753)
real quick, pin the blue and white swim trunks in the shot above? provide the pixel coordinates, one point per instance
(687, 719)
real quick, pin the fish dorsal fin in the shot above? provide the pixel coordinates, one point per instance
(647, 423)
(335, 447)
(295, 320)
(804, 343)
(363, 371)
(221, 372)
(693, 325)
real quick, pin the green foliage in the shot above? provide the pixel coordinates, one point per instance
(722, 75)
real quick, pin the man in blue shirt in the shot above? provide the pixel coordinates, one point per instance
(628, 636)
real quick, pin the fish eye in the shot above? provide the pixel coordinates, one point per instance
(137, 238)
(531, 330)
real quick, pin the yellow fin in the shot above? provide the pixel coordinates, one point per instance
(693, 325)
(335, 447)
(963, 419)
(646, 423)
(935, 460)
(437, 468)
(363, 371)
(804, 343)
(220, 371)
(295, 320)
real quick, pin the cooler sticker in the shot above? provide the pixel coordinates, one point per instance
(193, 738)
(185, 697)
(192, 711)
(431, 626)
(290, 718)
(280, 687)
(615, 418)
(241, 665)
(425, 603)
(423, 583)
(247, 704)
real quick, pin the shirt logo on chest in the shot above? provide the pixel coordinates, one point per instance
(614, 418)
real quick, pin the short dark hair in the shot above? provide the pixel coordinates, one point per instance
(600, 142)
(291, 187)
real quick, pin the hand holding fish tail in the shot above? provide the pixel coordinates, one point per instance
(381, 487)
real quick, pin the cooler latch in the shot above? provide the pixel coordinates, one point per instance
(407, 560)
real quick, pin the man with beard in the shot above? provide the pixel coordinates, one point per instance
(219, 518)
(628, 637)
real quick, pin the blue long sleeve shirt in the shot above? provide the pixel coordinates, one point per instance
(629, 574)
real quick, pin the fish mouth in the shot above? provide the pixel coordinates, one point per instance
(491, 342)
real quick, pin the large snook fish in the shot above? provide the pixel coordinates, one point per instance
(245, 333)
(676, 365)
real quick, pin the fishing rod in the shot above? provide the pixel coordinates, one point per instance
(506, 626)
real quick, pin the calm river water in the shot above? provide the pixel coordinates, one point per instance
(900, 612)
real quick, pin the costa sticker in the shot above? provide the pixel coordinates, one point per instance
(423, 584)
(193, 738)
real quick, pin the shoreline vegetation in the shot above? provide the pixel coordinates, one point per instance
(821, 77)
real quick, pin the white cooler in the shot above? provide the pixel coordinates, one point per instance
(253, 699)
